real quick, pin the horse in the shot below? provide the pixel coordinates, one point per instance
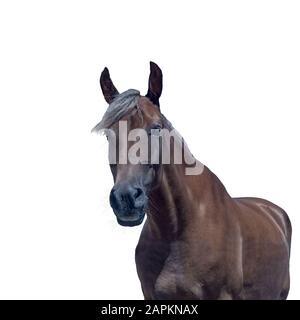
(197, 241)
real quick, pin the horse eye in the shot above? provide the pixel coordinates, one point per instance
(155, 129)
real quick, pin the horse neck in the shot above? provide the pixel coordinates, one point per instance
(179, 198)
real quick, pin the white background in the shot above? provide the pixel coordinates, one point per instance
(231, 88)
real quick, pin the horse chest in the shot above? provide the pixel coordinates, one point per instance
(177, 281)
(164, 273)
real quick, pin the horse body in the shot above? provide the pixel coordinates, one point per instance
(197, 241)
(200, 243)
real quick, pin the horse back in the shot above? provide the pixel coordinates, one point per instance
(271, 212)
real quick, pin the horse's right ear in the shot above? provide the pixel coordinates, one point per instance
(107, 86)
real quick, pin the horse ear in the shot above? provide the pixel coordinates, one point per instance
(155, 83)
(107, 86)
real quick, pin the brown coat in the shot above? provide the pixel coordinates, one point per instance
(199, 243)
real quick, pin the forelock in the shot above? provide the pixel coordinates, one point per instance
(122, 105)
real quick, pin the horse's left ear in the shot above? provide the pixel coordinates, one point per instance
(155, 83)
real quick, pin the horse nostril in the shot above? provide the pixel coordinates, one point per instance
(139, 198)
(138, 192)
(113, 199)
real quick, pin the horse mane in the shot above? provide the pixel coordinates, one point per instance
(122, 104)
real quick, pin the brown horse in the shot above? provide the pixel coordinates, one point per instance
(197, 241)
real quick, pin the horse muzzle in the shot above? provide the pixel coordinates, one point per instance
(128, 203)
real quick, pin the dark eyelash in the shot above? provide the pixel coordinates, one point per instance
(156, 127)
